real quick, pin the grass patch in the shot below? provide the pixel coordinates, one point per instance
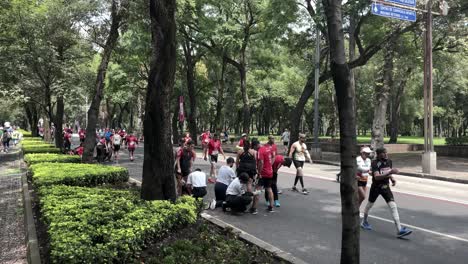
(45, 174)
(49, 157)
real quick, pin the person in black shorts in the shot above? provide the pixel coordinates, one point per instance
(246, 160)
(382, 173)
(185, 157)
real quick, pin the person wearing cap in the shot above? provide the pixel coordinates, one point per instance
(382, 173)
(299, 153)
(240, 145)
(363, 168)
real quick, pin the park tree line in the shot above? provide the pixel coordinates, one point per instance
(242, 65)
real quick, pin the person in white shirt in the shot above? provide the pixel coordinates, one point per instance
(239, 194)
(196, 183)
(363, 169)
(299, 153)
(225, 176)
(285, 139)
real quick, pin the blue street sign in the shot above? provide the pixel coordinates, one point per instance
(411, 3)
(393, 12)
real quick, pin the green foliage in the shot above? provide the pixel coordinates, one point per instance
(96, 225)
(25, 133)
(456, 141)
(46, 157)
(44, 174)
(43, 148)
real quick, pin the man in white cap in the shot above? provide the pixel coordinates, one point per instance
(363, 168)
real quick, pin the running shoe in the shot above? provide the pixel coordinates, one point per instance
(253, 211)
(277, 203)
(304, 191)
(365, 225)
(294, 189)
(270, 209)
(404, 232)
(280, 191)
(213, 204)
(257, 192)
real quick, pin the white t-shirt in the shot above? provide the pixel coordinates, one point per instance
(197, 179)
(117, 139)
(235, 188)
(300, 151)
(285, 136)
(225, 175)
(363, 166)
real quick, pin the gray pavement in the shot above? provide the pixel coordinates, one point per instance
(309, 226)
(12, 232)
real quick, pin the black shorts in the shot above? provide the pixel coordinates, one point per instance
(286, 143)
(250, 172)
(383, 190)
(298, 164)
(361, 183)
(214, 158)
(82, 140)
(265, 182)
(116, 147)
(198, 192)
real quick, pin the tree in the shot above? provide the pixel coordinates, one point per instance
(347, 116)
(118, 14)
(158, 171)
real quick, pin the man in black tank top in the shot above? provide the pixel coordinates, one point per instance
(185, 158)
(246, 160)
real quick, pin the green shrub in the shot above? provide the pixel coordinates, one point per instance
(456, 141)
(36, 144)
(25, 133)
(76, 174)
(48, 157)
(97, 225)
(39, 149)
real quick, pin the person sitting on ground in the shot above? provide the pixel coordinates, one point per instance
(239, 194)
(196, 184)
(225, 176)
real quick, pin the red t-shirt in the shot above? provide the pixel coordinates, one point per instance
(187, 139)
(205, 137)
(67, 136)
(180, 152)
(274, 150)
(278, 162)
(82, 133)
(264, 154)
(131, 141)
(80, 151)
(241, 142)
(214, 147)
(122, 134)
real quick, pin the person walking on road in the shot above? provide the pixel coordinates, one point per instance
(285, 139)
(213, 150)
(6, 137)
(299, 153)
(265, 171)
(363, 169)
(205, 139)
(382, 173)
(131, 142)
(116, 142)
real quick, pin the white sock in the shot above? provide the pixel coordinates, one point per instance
(396, 218)
(366, 210)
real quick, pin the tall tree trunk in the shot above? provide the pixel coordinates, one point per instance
(396, 106)
(59, 122)
(221, 89)
(158, 171)
(245, 99)
(347, 115)
(190, 75)
(382, 94)
(33, 118)
(117, 15)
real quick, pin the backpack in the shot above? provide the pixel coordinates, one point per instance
(117, 139)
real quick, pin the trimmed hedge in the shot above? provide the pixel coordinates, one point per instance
(44, 174)
(96, 225)
(48, 157)
(39, 149)
(25, 133)
(456, 141)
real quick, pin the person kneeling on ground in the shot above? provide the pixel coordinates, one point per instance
(225, 176)
(239, 194)
(196, 184)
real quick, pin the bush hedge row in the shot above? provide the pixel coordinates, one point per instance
(25, 133)
(76, 174)
(27, 149)
(49, 157)
(456, 141)
(96, 225)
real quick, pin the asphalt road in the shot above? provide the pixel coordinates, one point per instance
(309, 226)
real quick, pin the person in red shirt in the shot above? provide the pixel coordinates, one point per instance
(213, 149)
(279, 161)
(67, 140)
(79, 150)
(240, 145)
(123, 135)
(187, 138)
(131, 142)
(184, 158)
(265, 170)
(82, 135)
(205, 139)
(273, 147)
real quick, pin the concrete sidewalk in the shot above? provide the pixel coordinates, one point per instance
(12, 232)
(450, 169)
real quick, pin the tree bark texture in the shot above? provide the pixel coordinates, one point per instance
(347, 119)
(190, 62)
(33, 118)
(59, 122)
(221, 88)
(396, 106)
(117, 15)
(158, 165)
(382, 97)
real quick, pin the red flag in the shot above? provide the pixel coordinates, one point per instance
(181, 109)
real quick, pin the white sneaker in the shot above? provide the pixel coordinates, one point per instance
(213, 204)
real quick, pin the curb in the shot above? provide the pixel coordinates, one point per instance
(32, 246)
(282, 255)
(409, 174)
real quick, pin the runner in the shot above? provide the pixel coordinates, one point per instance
(185, 158)
(382, 173)
(285, 139)
(6, 137)
(225, 176)
(243, 139)
(239, 195)
(298, 153)
(279, 161)
(363, 169)
(132, 143)
(205, 139)
(116, 141)
(187, 138)
(214, 148)
(246, 160)
(82, 135)
(265, 171)
(108, 135)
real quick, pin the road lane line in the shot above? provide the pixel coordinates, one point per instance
(422, 229)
